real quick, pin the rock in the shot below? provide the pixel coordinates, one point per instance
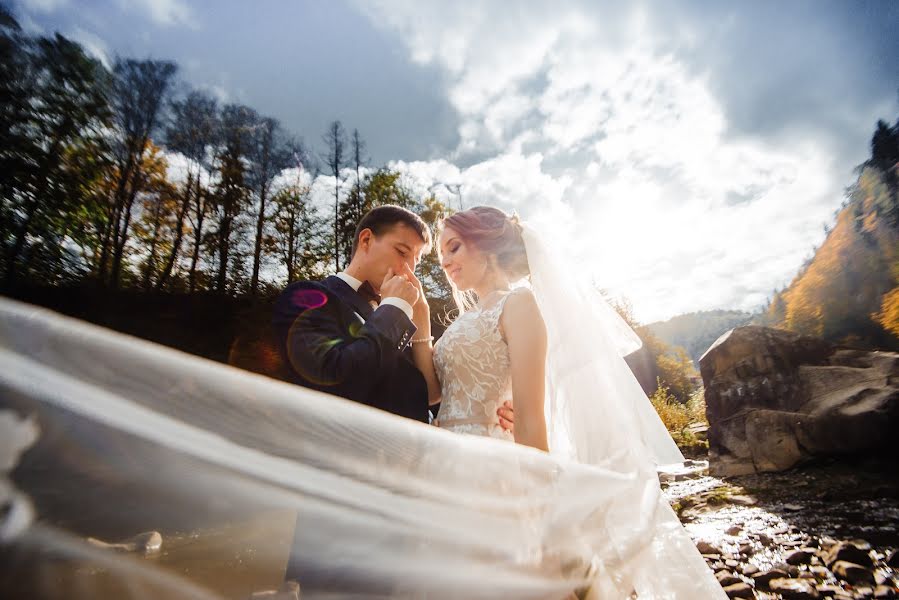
(885, 592)
(749, 570)
(775, 399)
(726, 578)
(739, 590)
(707, 548)
(794, 589)
(746, 549)
(793, 507)
(148, 542)
(762, 579)
(848, 552)
(819, 571)
(800, 557)
(735, 530)
(852, 573)
(290, 590)
(829, 589)
(893, 559)
(765, 540)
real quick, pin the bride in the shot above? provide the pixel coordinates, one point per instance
(578, 399)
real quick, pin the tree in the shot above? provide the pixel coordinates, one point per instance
(192, 132)
(232, 194)
(57, 104)
(300, 235)
(156, 228)
(335, 138)
(269, 155)
(139, 93)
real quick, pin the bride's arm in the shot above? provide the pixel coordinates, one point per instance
(522, 326)
(423, 351)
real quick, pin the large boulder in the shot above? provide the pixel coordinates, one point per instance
(775, 398)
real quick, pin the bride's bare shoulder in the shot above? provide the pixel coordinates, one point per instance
(521, 311)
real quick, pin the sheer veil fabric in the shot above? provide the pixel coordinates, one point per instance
(135, 436)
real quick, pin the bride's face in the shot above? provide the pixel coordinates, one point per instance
(462, 262)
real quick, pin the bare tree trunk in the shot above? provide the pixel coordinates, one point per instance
(179, 234)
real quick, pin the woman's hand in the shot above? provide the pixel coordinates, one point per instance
(421, 310)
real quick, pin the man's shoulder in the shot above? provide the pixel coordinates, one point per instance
(306, 294)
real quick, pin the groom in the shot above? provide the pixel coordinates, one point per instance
(350, 335)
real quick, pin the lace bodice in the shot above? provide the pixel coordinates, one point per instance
(472, 363)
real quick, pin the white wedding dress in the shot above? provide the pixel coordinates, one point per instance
(472, 363)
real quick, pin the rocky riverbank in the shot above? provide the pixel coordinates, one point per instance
(829, 530)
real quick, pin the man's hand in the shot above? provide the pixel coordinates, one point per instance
(398, 286)
(506, 416)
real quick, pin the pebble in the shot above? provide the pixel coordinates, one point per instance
(739, 590)
(794, 589)
(726, 578)
(705, 547)
(848, 552)
(762, 579)
(885, 592)
(800, 557)
(735, 530)
(852, 573)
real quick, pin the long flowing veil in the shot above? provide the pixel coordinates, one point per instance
(596, 409)
(236, 471)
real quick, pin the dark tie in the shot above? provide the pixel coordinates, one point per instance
(369, 294)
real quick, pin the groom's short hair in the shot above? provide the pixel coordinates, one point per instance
(382, 218)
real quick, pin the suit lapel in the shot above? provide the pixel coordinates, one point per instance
(348, 295)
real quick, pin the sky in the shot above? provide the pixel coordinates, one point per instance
(691, 151)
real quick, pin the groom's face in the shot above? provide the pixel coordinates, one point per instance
(395, 247)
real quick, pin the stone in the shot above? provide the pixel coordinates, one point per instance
(735, 530)
(765, 540)
(705, 547)
(893, 559)
(148, 542)
(290, 590)
(775, 399)
(800, 557)
(852, 573)
(739, 590)
(849, 552)
(762, 579)
(749, 570)
(794, 589)
(819, 571)
(746, 549)
(726, 578)
(885, 592)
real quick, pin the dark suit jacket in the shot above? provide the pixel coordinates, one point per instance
(333, 341)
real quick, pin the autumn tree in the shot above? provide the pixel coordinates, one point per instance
(192, 131)
(139, 94)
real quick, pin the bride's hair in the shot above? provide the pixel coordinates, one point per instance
(493, 232)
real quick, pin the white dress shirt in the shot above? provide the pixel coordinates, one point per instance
(397, 302)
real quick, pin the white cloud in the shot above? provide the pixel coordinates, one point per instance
(570, 110)
(44, 6)
(165, 12)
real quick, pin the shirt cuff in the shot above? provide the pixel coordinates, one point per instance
(400, 304)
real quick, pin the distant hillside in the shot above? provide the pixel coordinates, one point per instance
(695, 332)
